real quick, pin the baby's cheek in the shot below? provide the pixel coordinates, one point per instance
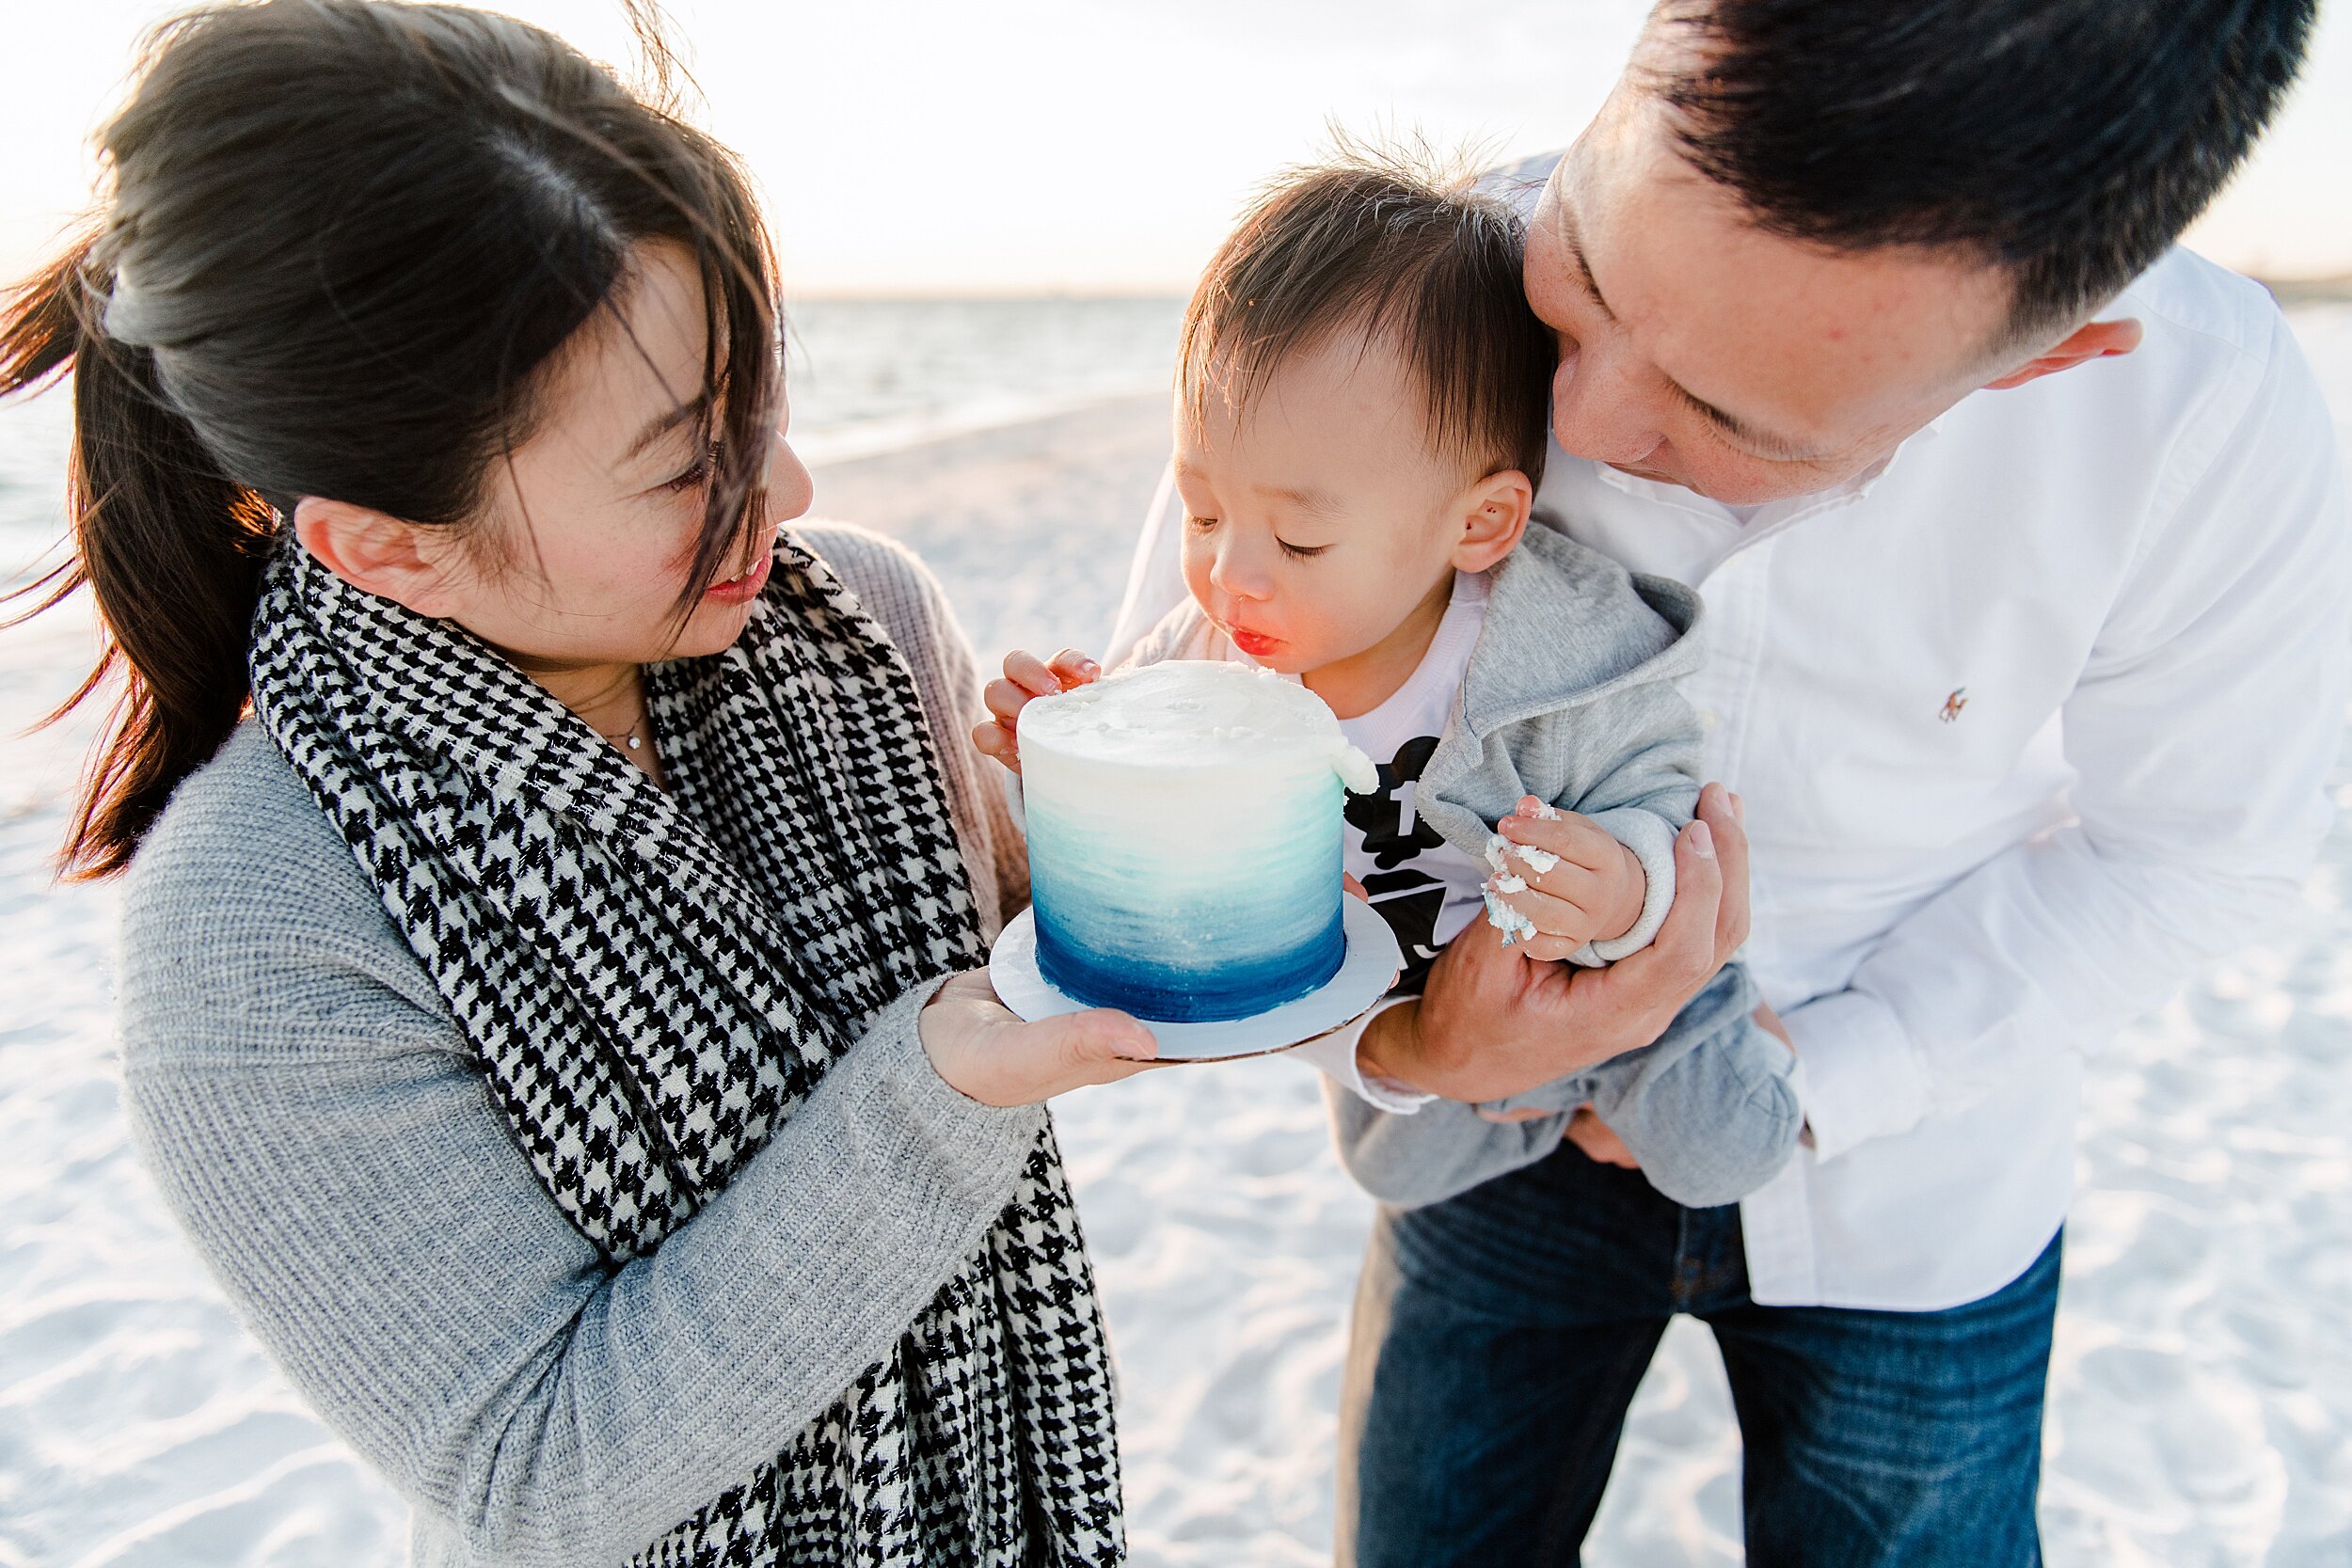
(1327, 621)
(1196, 563)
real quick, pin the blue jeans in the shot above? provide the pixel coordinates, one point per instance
(1499, 1336)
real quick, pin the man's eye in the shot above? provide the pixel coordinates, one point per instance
(1301, 552)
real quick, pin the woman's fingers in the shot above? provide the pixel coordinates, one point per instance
(1029, 673)
(1105, 1035)
(1006, 700)
(1027, 677)
(1098, 1046)
(996, 740)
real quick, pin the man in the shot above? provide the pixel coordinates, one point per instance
(2023, 544)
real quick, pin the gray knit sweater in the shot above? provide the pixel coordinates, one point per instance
(308, 1107)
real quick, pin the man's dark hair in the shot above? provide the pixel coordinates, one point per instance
(1380, 244)
(2070, 141)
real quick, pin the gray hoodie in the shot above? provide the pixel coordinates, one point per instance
(1570, 697)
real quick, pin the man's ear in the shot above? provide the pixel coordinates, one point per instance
(2098, 341)
(1494, 515)
(375, 552)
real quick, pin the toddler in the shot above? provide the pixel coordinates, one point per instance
(1361, 419)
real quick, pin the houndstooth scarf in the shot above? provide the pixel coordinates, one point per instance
(653, 981)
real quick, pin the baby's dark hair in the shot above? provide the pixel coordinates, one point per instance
(1383, 243)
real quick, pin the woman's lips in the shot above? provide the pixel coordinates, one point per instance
(744, 589)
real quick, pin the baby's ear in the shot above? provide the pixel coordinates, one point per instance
(1494, 514)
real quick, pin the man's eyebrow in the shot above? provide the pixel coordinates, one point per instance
(661, 424)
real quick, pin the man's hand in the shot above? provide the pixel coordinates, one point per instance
(1026, 676)
(1585, 1129)
(1493, 1024)
(1600, 1145)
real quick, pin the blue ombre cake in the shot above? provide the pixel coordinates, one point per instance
(1185, 838)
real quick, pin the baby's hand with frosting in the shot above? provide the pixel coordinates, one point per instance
(1560, 880)
(1026, 676)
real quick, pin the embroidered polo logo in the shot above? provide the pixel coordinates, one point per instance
(1954, 703)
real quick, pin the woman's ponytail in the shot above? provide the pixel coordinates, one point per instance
(169, 547)
(352, 289)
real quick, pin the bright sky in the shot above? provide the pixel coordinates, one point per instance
(944, 146)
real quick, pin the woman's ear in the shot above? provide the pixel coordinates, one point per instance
(376, 553)
(1494, 515)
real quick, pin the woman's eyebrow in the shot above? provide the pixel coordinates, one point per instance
(661, 424)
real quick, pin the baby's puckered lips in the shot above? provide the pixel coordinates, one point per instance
(1257, 644)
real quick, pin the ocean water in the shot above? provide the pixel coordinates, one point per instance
(868, 375)
(864, 375)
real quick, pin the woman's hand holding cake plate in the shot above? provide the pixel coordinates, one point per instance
(983, 1052)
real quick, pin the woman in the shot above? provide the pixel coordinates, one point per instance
(533, 1009)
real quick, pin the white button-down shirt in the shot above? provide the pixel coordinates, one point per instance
(2027, 722)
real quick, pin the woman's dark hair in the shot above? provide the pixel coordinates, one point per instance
(1383, 242)
(343, 240)
(2069, 141)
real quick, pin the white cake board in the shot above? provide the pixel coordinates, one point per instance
(1370, 968)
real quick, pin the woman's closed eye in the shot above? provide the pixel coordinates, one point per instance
(695, 475)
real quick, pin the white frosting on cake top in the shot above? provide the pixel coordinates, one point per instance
(1188, 713)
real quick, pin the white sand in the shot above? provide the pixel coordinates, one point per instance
(2201, 1397)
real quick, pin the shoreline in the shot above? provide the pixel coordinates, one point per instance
(1029, 526)
(2292, 292)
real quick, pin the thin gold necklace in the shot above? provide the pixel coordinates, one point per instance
(628, 738)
